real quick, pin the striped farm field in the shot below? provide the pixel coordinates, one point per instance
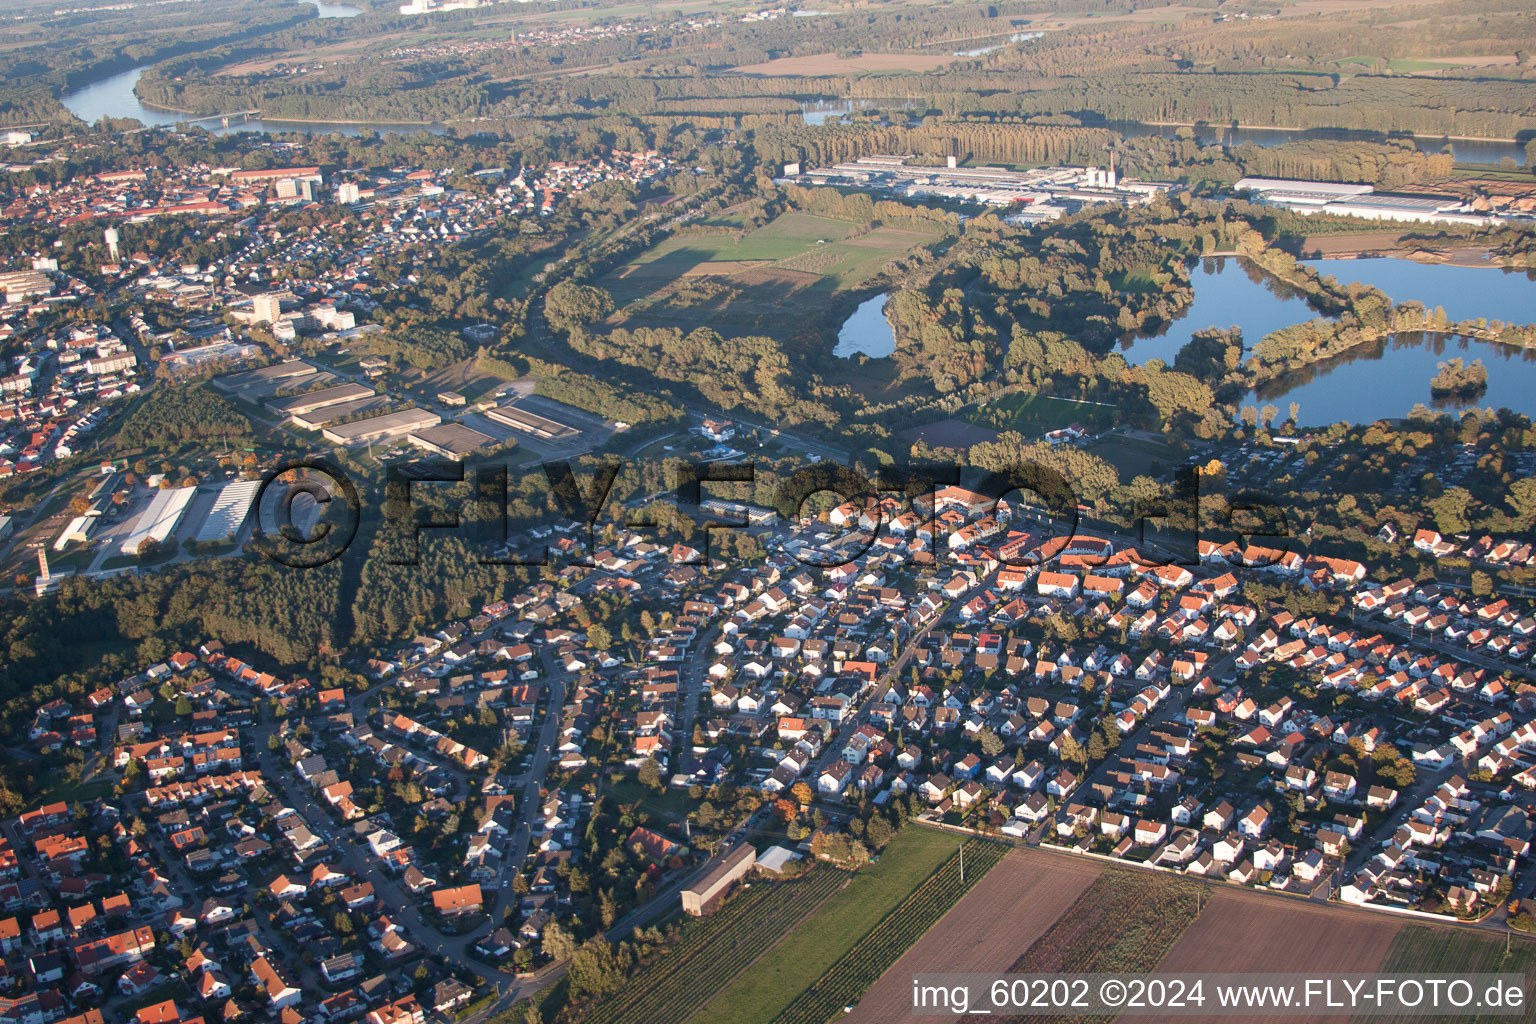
(716, 949)
(985, 932)
(853, 972)
(1124, 921)
(812, 944)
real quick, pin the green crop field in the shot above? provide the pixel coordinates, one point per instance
(808, 952)
(715, 949)
(1421, 949)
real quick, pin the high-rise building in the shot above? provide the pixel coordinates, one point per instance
(269, 308)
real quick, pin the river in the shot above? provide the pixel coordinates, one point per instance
(113, 96)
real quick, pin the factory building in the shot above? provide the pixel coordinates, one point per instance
(298, 405)
(159, 520)
(1348, 200)
(531, 423)
(391, 424)
(1047, 192)
(450, 440)
(704, 896)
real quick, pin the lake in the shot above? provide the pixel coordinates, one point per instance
(113, 96)
(1465, 292)
(1228, 291)
(1017, 37)
(1382, 379)
(1386, 379)
(326, 10)
(866, 331)
(830, 111)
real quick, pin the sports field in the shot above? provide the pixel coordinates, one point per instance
(1033, 414)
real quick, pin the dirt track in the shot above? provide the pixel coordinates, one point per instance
(986, 931)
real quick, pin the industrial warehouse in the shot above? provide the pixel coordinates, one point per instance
(377, 428)
(1346, 200)
(300, 405)
(530, 422)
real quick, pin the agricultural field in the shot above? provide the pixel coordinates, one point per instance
(743, 283)
(1243, 931)
(716, 949)
(808, 951)
(850, 976)
(986, 931)
(1124, 921)
(1424, 949)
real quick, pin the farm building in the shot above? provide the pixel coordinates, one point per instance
(704, 896)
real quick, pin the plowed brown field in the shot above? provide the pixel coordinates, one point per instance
(1240, 932)
(986, 931)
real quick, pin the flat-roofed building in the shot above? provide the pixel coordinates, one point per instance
(229, 510)
(328, 414)
(450, 440)
(158, 520)
(704, 896)
(391, 424)
(286, 372)
(531, 423)
(298, 405)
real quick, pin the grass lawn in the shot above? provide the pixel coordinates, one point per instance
(796, 249)
(787, 235)
(72, 792)
(1141, 279)
(762, 993)
(668, 805)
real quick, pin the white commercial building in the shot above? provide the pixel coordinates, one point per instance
(229, 510)
(157, 522)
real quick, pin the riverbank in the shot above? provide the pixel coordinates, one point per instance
(1395, 244)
